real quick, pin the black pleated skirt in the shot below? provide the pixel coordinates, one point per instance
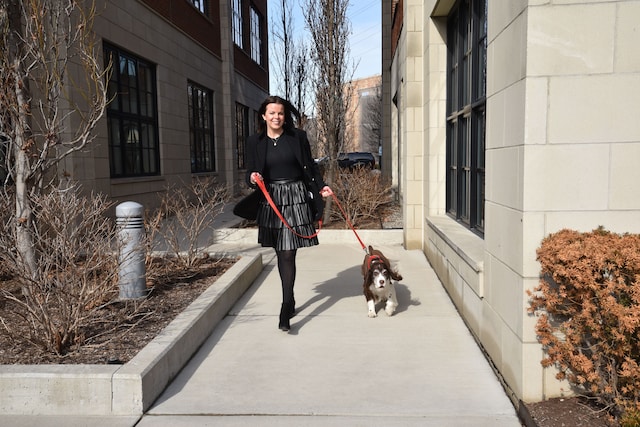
(291, 199)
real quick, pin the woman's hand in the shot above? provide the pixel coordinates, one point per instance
(255, 177)
(326, 191)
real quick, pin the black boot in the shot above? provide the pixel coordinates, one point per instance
(285, 315)
(293, 309)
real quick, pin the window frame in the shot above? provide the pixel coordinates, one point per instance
(237, 23)
(201, 128)
(255, 35)
(242, 133)
(201, 5)
(132, 116)
(466, 113)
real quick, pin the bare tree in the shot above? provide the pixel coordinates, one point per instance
(282, 48)
(52, 95)
(301, 78)
(330, 28)
(291, 59)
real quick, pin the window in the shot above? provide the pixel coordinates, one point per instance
(256, 40)
(132, 116)
(466, 112)
(242, 132)
(370, 105)
(256, 121)
(236, 16)
(201, 5)
(201, 133)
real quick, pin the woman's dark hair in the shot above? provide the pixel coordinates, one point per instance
(289, 113)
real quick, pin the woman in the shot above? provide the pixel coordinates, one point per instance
(280, 155)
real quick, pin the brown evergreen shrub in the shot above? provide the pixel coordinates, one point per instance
(588, 302)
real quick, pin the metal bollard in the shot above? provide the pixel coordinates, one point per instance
(132, 274)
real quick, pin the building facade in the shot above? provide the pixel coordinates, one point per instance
(505, 122)
(186, 82)
(366, 115)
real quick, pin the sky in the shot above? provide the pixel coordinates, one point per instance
(365, 42)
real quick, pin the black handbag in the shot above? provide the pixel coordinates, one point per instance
(247, 207)
(316, 202)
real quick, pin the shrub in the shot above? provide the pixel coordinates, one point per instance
(588, 300)
(185, 218)
(62, 303)
(76, 274)
(363, 195)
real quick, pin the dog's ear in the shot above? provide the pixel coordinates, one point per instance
(363, 269)
(394, 274)
(367, 280)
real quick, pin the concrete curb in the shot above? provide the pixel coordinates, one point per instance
(127, 389)
(245, 236)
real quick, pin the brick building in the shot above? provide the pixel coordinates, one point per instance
(188, 78)
(366, 121)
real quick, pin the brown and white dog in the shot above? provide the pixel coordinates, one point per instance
(378, 285)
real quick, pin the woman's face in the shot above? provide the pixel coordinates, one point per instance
(274, 117)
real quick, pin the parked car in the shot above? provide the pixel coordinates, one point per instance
(357, 159)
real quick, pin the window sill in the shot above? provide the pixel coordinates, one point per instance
(469, 246)
(136, 180)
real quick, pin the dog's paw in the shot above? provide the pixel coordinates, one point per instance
(390, 311)
(372, 314)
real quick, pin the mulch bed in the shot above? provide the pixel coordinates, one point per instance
(566, 412)
(122, 328)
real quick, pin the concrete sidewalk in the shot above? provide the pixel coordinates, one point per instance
(337, 367)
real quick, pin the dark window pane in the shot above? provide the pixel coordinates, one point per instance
(133, 140)
(242, 132)
(201, 128)
(466, 93)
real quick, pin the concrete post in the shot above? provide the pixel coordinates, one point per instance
(132, 274)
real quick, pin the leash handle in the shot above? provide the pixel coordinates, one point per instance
(267, 196)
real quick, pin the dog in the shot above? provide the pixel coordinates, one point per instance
(378, 284)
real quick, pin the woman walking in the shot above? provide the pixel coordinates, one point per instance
(280, 155)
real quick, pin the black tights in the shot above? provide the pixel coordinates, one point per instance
(287, 270)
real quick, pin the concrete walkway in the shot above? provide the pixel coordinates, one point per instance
(336, 367)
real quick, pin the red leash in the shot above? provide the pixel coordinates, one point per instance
(267, 196)
(346, 217)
